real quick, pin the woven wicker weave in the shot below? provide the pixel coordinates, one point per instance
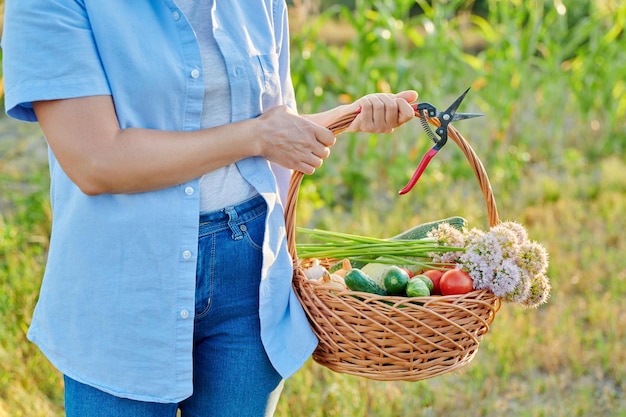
(393, 338)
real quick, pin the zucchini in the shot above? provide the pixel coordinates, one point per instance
(357, 280)
(421, 231)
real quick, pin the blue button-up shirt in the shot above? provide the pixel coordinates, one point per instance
(117, 299)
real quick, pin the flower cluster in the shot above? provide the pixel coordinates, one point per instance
(502, 260)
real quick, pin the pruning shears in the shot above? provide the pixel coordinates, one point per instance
(439, 136)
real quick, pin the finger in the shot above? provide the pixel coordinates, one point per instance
(307, 165)
(406, 112)
(392, 113)
(325, 137)
(398, 110)
(323, 152)
(380, 114)
(306, 169)
(366, 120)
(386, 116)
(378, 111)
(408, 95)
(383, 112)
(311, 164)
(365, 116)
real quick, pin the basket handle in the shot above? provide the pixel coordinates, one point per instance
(340, 126)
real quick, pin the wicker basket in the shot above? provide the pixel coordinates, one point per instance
(391, 338)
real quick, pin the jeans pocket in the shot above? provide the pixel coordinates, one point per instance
(204, 274)
(254, 232)
(230, 255)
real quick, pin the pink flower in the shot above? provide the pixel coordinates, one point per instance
(533, 258)
(539, 291)
(502, 260)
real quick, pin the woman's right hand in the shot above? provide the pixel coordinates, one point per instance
(292, 141)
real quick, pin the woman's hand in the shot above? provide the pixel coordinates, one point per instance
(381, 112)
(377, 113)
(301, 143)
(293, 141)
(100, 157)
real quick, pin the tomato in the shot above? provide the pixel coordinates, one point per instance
(456, 281)
(435, 277)
(409, 272)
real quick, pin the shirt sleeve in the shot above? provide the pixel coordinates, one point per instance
(49, 53)
(284, 58)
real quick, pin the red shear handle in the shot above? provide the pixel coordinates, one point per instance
(418, 172)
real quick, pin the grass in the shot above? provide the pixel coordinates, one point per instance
(553, 142)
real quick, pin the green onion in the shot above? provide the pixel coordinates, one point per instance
(337, 245)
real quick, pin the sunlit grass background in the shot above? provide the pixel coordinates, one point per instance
(550, 76)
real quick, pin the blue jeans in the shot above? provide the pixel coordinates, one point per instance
(232, 374)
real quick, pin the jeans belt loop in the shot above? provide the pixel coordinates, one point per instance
(232, 222)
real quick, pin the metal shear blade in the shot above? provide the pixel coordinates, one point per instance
(462, 116)
(440, 135)
(451, 111)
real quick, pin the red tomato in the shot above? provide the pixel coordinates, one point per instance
(435, 277)
(409, 272)
(456, 281)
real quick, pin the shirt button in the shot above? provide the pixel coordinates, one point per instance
(175, 15)
(187, 254)
(195, 73)
(189, 190)
(184, 313)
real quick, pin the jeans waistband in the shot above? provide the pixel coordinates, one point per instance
(239, 213)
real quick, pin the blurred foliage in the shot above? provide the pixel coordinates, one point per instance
(549, 75)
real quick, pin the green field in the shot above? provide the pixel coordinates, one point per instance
(550, 78)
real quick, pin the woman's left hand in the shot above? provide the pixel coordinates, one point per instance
(383, 112)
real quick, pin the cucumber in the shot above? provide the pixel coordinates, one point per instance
(357, 280)
(417, 288)
(429, 282)
(335, 267)
(395, 280)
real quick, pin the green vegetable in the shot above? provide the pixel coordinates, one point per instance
(417, 288)
(356, 280)
(403, 249)
(429, 282)
(375, 271)
(395, 280)
(421, 231)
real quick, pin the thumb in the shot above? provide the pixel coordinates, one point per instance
(409, 95)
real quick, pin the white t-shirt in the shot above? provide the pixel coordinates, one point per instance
(223, 186)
